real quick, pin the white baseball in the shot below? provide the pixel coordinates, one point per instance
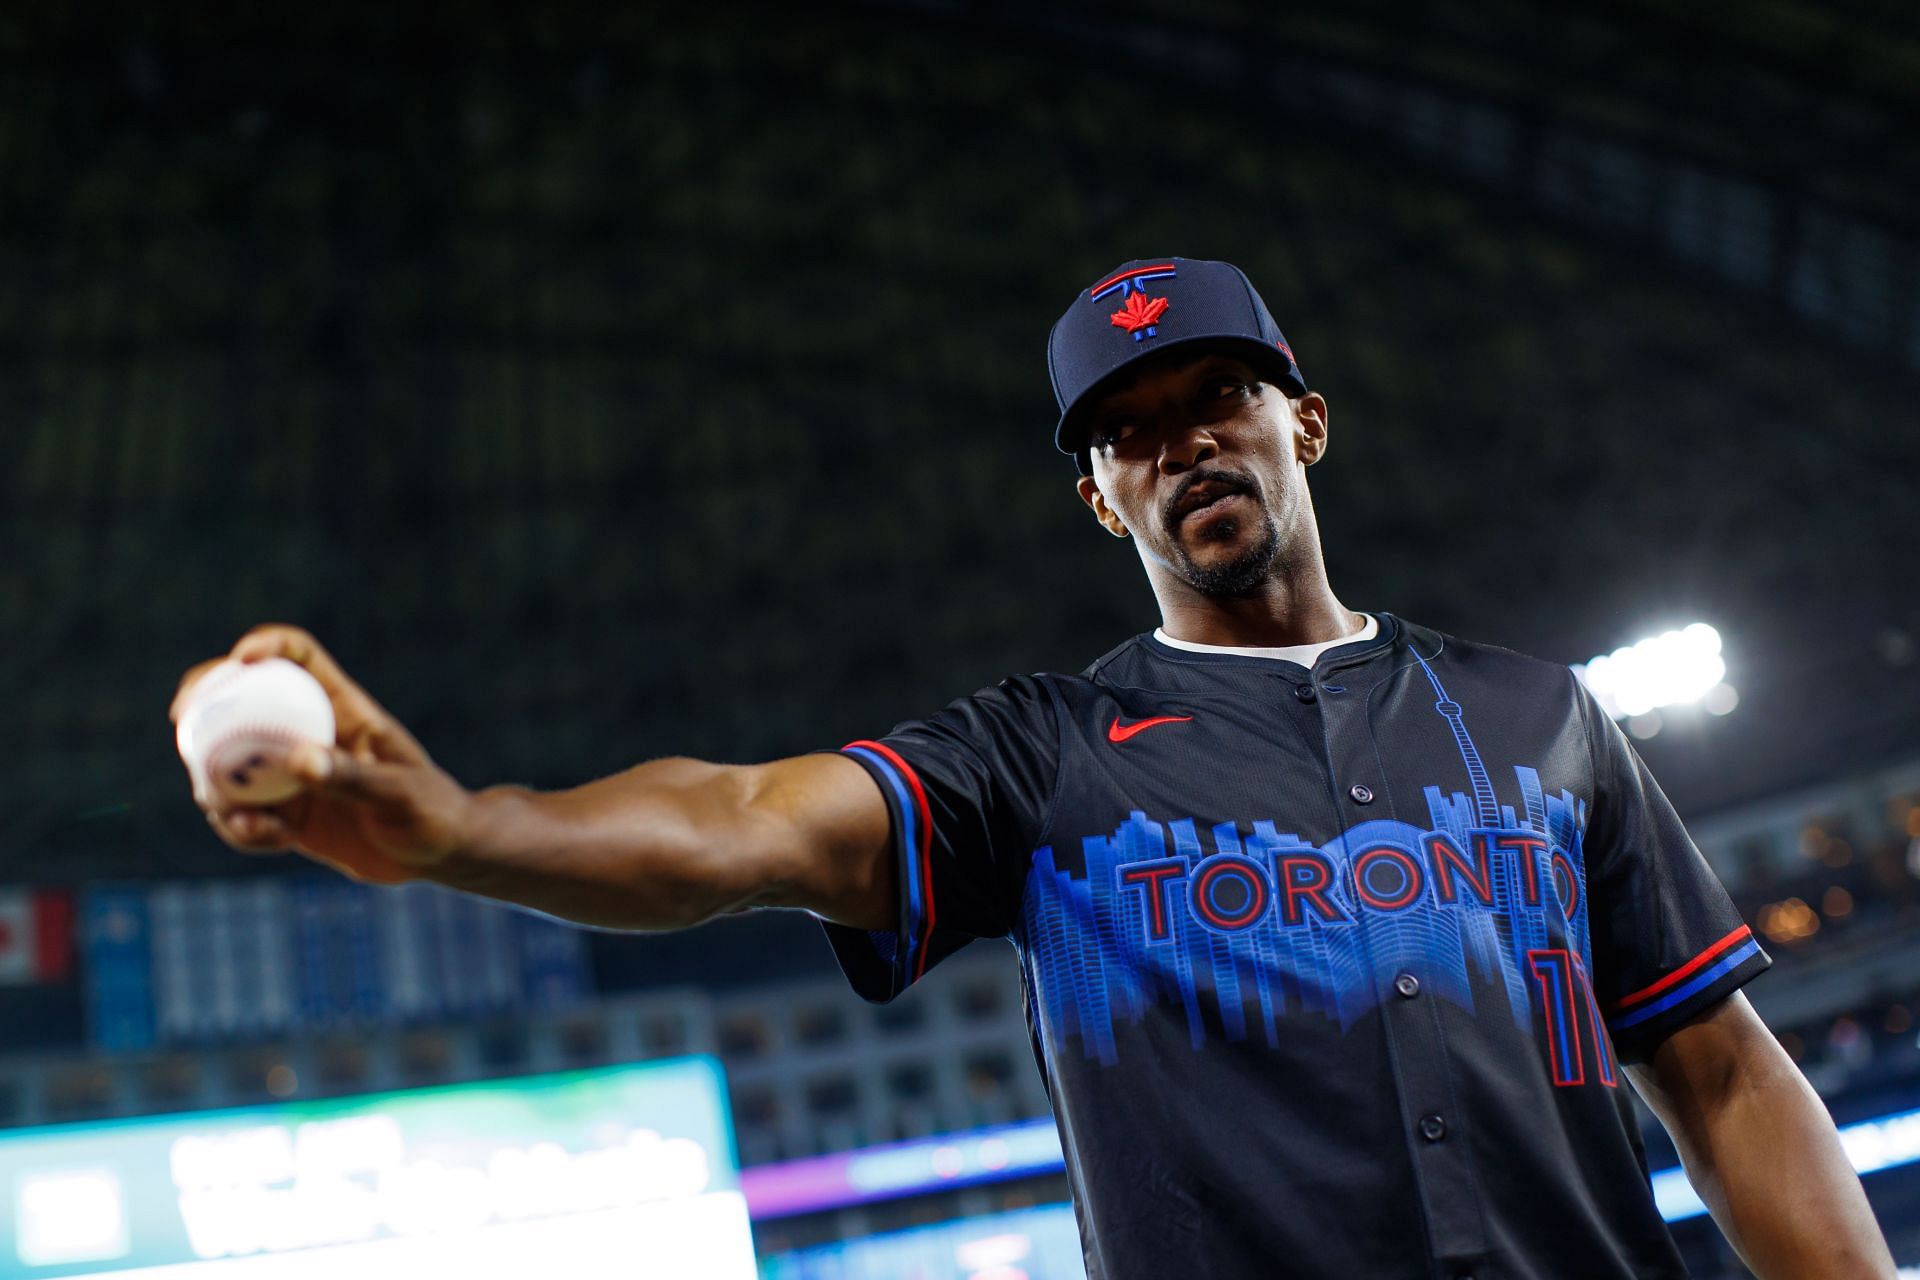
(243, 720)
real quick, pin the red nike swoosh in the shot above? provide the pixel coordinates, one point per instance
(1117, 732)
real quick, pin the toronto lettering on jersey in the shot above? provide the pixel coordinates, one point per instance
(1248, 928)
(1232, 891)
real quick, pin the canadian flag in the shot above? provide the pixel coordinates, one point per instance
(36, 936)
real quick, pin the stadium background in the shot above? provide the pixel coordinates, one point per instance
(602, 386)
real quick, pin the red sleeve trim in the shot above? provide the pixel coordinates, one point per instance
(924, 852)
(1686, 970)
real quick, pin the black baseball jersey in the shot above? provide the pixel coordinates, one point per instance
(1329, 972)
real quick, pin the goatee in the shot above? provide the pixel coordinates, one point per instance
(1240, 576)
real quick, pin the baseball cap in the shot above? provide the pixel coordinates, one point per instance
(1150, 305)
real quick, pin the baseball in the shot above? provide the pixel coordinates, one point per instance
(241, 723)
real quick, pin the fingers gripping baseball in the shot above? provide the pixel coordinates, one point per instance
(359, 717)
(369, 803)
(252, 830)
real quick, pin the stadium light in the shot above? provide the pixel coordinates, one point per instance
(1674, 668)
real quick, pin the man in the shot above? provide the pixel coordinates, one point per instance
(1338, 934)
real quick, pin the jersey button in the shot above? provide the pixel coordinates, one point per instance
(1361, 793)
(1433, 1128)
(1407, 985)
(1305, 692)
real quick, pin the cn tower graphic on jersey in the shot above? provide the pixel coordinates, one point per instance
(1250, 928)
(1487, 807)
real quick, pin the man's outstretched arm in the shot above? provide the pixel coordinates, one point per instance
(1761, 1150)
(663, 845)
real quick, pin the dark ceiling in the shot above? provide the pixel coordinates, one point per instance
(602, 387)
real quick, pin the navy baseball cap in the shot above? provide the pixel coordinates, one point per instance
(1150, 305)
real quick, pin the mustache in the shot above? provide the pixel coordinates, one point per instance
(1223, 480)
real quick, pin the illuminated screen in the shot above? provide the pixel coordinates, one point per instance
(1025, 1244)
(626, 1171)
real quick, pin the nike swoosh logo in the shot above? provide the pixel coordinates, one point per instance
(1117, 732)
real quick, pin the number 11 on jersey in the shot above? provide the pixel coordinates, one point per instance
(1568, 999)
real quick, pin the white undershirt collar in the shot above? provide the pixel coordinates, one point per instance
(1302, 654)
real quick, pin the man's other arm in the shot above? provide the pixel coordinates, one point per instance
(1761, 1150)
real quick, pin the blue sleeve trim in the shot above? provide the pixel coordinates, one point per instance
(1692, 987)
(909, 842)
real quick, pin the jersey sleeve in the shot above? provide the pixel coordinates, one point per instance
(1668, 943)
(968, 791)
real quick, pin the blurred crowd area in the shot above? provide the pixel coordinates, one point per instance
(1849, 881)
(1856, 1056)
(1831, 882)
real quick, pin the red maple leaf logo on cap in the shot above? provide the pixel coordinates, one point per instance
(1140, 312)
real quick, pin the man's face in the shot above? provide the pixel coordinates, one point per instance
(1205, 466)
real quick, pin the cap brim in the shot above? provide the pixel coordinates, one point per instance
(1069, 435)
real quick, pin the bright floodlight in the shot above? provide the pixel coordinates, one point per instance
(1670, 669)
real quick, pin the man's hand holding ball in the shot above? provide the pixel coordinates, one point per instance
(285, 751)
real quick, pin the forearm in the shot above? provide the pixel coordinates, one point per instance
(1769, 1166)
(646, 849)
(661, 846)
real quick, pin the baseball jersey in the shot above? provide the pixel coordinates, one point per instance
(1329, 971)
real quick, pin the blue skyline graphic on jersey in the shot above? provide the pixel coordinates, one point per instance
(1103, 954)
